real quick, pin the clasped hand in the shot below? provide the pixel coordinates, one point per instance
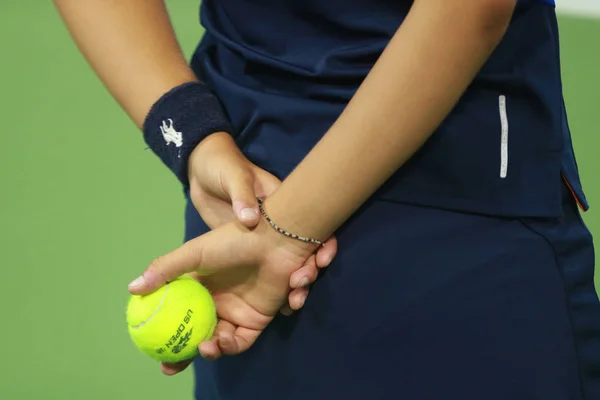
(253, 271)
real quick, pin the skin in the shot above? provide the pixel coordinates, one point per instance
(224, 186)
(131, 46)
(399, 105)
(419, 78)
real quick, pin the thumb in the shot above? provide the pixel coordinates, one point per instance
(265, 182)
(171, 266)
(239, 185)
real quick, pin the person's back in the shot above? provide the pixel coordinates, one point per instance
(501, 151)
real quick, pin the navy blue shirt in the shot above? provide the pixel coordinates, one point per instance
(285, 69)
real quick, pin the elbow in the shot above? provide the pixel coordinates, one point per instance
(486, 19)
(494, 16)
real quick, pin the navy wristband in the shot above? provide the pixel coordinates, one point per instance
(181, 119)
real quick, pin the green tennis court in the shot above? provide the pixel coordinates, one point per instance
(84, 207)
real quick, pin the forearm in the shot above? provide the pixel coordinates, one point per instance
(131, 46)
(419, 78)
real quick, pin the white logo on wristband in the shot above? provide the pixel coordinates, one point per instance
(170, 134)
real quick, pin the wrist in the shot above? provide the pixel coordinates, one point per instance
(279, 241)
(218, 140)
(213, 143)
(180, 120)
(287, 231)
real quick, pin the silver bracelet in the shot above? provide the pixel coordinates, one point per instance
(286, 233)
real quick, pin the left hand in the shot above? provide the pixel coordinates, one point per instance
(249, 285)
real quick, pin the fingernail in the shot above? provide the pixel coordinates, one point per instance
(249, 213)
(302, 300)
(303, 282)
(137, 283)
(328, 261)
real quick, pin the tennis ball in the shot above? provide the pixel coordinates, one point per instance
(169, 324)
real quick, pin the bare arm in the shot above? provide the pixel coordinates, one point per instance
(421, 75)
(132, 47)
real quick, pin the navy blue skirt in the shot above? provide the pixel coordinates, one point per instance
(428, 304)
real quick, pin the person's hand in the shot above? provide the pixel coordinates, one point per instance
(224, 186)
(247, 272)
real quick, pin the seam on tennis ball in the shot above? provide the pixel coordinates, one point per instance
(162, 300)
(212, 330)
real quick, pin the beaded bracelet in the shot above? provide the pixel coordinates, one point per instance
(286, 233)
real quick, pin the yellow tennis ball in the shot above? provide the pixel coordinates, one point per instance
(169, 324)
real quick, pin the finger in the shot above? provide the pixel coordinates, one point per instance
(265, 182)
(326, 253)
(239, 185)
(305, 275)
(297, 298)
(210, 350)
(175, 368)
(238, 342)
(169, 267)
(236, 310)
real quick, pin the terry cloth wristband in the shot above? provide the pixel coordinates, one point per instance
(181, 119)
